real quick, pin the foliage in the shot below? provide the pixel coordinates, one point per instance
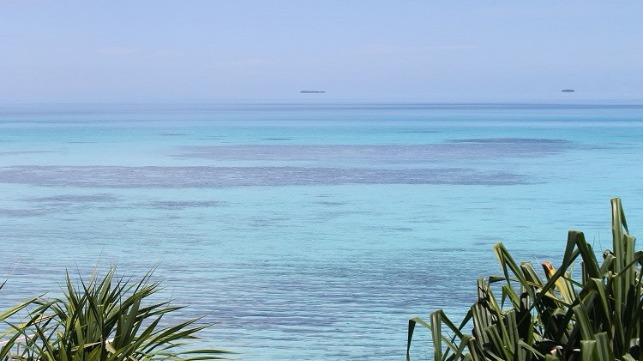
(8, 344)
(107, 318)
(595, 318)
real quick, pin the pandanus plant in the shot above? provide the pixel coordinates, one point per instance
(593, 314)
(10, 337)
(107, 319)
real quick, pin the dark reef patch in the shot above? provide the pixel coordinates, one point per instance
(20, 213)
(213, 177)
(468, 149)
(25, 152)
(541, 141)
(75, 198)
(184, 204)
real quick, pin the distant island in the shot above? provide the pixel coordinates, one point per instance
(567, 90)
(313, 91)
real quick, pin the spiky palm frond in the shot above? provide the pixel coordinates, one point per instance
(557, 317)
(110, 319)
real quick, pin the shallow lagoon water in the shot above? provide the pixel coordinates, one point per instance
(308, 231)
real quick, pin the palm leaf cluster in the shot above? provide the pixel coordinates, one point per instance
(9, 337)
(105, 319)
(592, 314)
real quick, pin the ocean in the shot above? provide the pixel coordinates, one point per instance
(308, 231)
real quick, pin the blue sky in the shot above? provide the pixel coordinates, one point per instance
(139, 50)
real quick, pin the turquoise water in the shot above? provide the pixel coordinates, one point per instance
(308, 231)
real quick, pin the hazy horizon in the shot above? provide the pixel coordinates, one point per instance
(208, 51)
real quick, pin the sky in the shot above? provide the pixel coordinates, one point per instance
(209, 50)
